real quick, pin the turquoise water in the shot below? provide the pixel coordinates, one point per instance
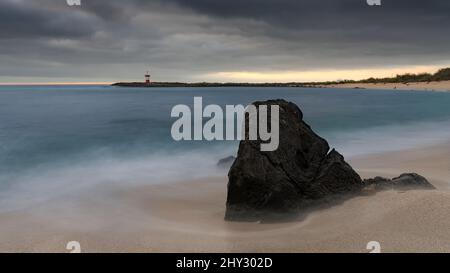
(68, 137)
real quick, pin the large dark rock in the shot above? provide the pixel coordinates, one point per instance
(301, 171)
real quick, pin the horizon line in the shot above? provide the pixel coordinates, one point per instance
(54, 83)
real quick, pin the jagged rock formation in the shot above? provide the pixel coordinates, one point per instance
(301, 172)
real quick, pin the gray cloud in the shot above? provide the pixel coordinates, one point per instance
(29, 20)
(180, 39)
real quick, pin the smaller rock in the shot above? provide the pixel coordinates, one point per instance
(412, 180)
(407, 181)
(226, 163)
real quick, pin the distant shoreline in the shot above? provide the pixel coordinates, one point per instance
(443, 86)
(439, 81)
(437, 86)
(207, 84)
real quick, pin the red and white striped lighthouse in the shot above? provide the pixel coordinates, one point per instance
(147, 78)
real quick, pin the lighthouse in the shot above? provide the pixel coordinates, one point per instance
(147, 78)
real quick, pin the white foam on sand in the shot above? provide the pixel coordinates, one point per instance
(47, 182)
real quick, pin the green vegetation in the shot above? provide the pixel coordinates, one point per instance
(441, 75)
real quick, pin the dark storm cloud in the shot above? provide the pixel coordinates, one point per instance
(178, 39)
(321, 13)
(353, 18)
(27, 20)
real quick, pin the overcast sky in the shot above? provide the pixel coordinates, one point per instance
(220, 40)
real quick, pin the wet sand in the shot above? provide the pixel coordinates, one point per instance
(188, 217)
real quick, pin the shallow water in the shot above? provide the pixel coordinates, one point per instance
(59, 139)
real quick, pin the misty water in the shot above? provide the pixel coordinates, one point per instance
(61, 139)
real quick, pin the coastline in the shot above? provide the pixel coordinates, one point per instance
(188, 217)
(441, 86)
(437, 86)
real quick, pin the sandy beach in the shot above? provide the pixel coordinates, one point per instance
(442, 86)
(188, 217)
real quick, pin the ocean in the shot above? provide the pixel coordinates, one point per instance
(62, 139)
